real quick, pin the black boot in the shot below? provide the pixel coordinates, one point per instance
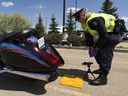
(101, 80)
(98, 71)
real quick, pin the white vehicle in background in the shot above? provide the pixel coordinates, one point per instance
(125, 36)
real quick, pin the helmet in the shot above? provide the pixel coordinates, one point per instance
(78, 13)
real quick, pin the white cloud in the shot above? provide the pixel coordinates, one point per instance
(125, 18)
(73, 9)
(7, 4)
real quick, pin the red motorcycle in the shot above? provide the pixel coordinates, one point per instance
(25, 58)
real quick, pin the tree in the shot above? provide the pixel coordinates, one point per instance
(4, 24)
(75, 39)
(39, 28)
(13, 23)
(53, 36)
(108, 8)
(70, 25)
(19, 23)
(53, 25)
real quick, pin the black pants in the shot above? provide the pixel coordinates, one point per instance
(104, 54)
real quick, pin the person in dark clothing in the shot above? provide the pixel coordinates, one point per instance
(102, 35)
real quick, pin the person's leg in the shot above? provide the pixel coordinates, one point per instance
(104, 59)
(112, 41)
(98, 60)
(106, 53)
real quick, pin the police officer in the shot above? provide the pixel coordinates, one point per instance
(101, 36)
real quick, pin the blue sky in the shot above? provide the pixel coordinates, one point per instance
(31, 8)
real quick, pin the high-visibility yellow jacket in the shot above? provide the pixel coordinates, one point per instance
(109, 23)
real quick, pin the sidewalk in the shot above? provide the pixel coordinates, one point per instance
(117, 49)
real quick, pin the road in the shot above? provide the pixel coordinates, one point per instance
(12, 85)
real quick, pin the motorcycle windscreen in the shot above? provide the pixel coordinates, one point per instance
(19, 57)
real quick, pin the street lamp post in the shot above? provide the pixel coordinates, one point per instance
(75, 11)
(64, 2)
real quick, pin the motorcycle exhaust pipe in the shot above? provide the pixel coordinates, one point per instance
(37, 76)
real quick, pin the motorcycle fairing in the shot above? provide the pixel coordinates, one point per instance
(14, 50)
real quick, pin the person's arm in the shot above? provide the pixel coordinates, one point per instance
(99, 25)
(88, 39)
